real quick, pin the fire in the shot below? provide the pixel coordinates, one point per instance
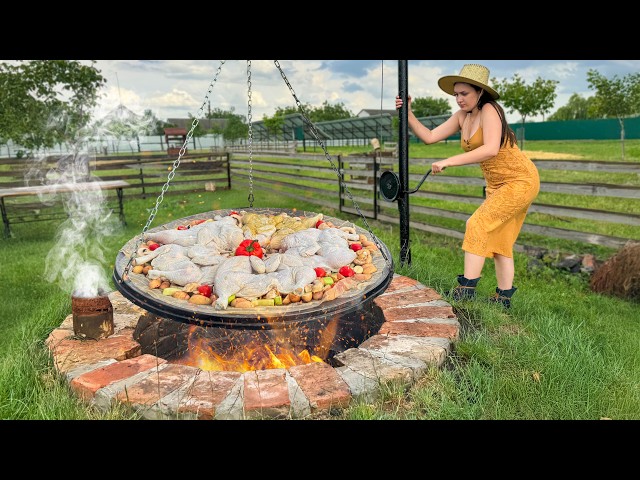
(251, 356)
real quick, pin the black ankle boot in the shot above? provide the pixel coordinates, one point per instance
(465, 290)
(503, 296)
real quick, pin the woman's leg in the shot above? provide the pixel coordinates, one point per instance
(473, 265)
(504, 271)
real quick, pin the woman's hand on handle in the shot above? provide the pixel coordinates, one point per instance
(437, 167)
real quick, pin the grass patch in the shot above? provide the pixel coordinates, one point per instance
(561, 352)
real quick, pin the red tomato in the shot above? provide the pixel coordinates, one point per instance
(319, 222)
(320, 272)
(205, 290)
(346, 271)
(153, 246)
(355, 247)
(249, 247)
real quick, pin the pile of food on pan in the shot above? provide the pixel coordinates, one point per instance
(247, 260)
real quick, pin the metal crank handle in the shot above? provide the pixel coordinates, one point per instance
(421, 182)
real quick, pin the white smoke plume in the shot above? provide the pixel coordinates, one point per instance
(77, 260)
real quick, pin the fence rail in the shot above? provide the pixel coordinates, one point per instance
(145, 175)
(350, 184)
(355, 191)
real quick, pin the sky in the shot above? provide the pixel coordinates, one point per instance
(177, 88)
(180, 88)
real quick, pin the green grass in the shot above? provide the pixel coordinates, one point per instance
(595, 150)
(562, 351)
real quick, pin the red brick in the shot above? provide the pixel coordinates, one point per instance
(266, 392)
(322, 385)
(71, 353)
(158, 384)
(409, 313)
(88, 384)
(420, 329)
(399, 282)
(207, 392)
(407, 298)
(56, 336)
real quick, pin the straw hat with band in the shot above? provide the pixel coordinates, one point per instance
(472, 73)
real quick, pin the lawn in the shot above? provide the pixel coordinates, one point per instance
(562, 351)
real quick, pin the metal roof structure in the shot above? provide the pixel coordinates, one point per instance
(295, 127)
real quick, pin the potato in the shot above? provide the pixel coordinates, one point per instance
(200, 300)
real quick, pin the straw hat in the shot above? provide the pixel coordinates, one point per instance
(472, 73)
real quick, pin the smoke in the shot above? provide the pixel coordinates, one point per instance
(77, 260)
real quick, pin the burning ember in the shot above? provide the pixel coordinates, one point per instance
(249, 357)
(254, 354)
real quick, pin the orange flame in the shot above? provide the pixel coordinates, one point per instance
(250, 356)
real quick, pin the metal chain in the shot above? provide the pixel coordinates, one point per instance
(175, 165)
(250, 134)
(328, 157)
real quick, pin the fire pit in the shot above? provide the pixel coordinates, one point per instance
(260, 337)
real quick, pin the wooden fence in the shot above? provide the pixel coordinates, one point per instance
(145, 177)
(314, 179)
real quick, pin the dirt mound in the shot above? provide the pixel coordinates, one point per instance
(620, 275)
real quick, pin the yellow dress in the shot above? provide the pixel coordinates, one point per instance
(512, 184)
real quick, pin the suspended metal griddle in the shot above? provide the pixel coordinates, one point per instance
(134, 286)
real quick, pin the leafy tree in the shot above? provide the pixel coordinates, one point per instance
(328, 112)
(615, 97)
(235, 129)
(528, 100)
(429, 106)
(273, 124)
(577, 108)
(276, 121)
(152, 125)
(44, 102)
(324, 113)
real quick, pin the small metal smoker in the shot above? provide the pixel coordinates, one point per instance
(92, 316)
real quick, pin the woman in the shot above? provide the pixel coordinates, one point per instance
(512, 181)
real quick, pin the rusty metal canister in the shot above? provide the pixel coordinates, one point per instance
(92, 316)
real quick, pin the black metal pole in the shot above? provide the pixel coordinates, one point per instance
(403, 164)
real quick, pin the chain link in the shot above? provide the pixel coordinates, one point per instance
(175, 165)
(249, 117)
(328, 157)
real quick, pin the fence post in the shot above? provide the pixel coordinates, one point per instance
(340, 182)
(142, 179)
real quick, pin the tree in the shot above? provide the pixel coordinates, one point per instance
(325, 113)
(274, 123)
(429, 106)
(328, 112)
(527, 100)
(44, 102)
(152, 125)
(235, 128)
(577, 108)
(616, 97)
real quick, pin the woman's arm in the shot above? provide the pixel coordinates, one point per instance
(441, 132)
(491, 132)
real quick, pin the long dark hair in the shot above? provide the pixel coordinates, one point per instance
(507, 132)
